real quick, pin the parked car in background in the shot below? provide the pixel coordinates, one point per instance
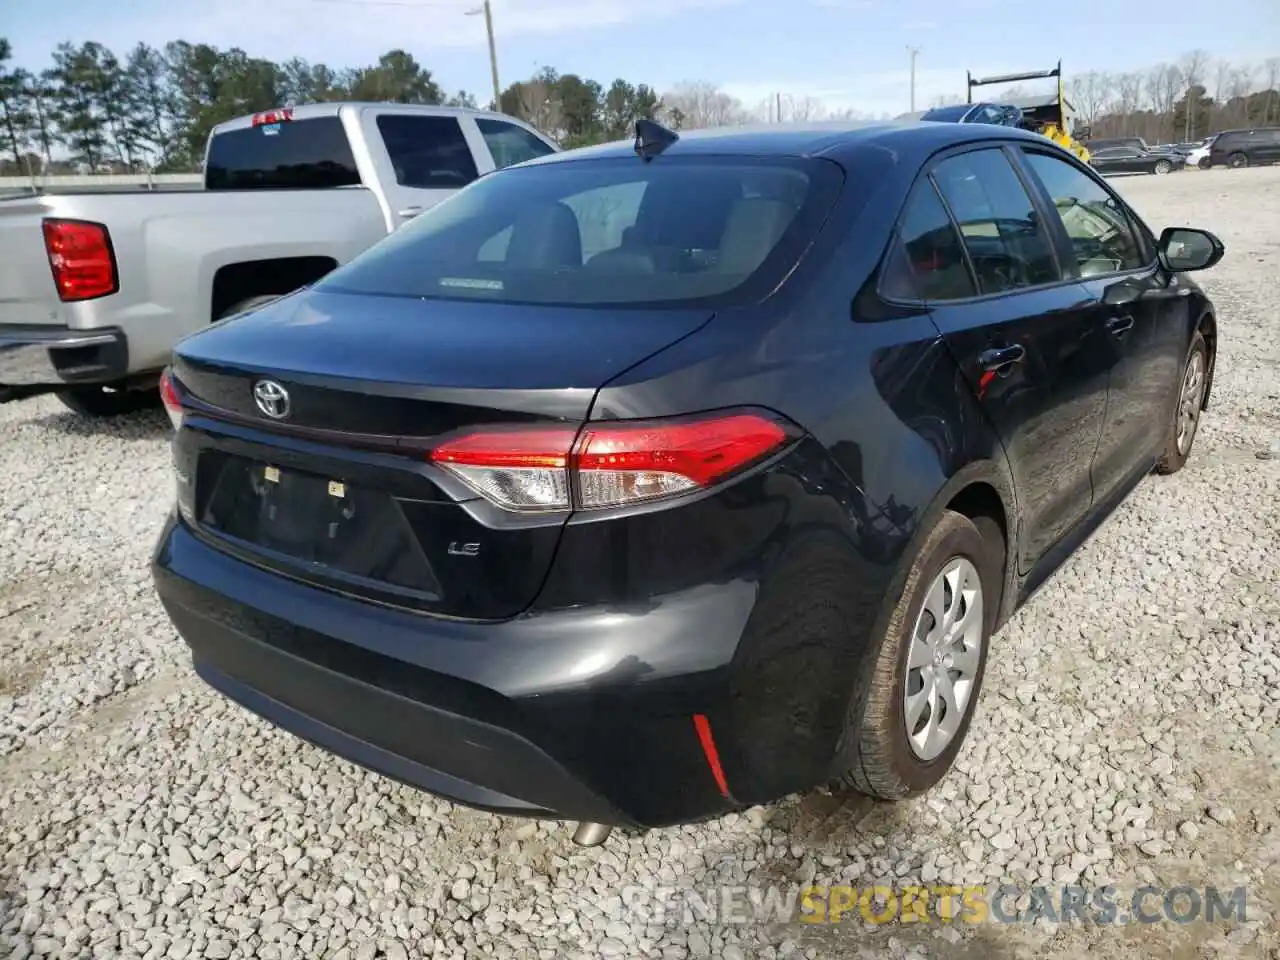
(1198, 156)
(634, 490)
(96, 287)
(1243, 148)
(1000, 114)
(1122, 159)
(1131, 143)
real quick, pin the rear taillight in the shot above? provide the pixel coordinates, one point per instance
(81, 258)
(171, 398)
(610, 463)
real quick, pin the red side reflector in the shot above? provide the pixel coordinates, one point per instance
(80, 256)
(703, 726)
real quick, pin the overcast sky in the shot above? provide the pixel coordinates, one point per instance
(847, 52)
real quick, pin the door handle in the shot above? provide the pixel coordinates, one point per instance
(1000, 359)
(1119, 326)
(410, 212)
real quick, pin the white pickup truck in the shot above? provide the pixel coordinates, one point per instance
(97, 287)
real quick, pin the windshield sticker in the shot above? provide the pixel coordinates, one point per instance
(271, 130)
(469, 283)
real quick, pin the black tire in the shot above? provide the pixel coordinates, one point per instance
(248, 304)
(1162, 167)
(1204, 163)
(1175, 455)
(884, 765)
(1237, 161)
(97, 402)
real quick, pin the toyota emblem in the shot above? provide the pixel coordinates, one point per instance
(271, 398)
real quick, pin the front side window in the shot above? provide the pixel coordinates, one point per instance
(1006, 243)
(928, 261)
(427, 152)
(1102, 237)
(510, 144)
(615, 231)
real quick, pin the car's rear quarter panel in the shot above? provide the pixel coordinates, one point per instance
(823, 536)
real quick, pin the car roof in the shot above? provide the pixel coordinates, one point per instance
(829, 139)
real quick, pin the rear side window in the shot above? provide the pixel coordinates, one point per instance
(1102, 237)
(510, 144)
(1007, 245)
(303, 154)
(427, 152)
(928, 260)
(607, 232)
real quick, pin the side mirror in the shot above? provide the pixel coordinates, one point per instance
(1184, 248)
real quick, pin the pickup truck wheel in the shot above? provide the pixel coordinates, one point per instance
(245, 305)
(103, 402)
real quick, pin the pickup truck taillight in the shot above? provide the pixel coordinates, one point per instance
(83, 263)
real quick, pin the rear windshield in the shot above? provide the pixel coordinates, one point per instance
(299, 154)
(615, 231)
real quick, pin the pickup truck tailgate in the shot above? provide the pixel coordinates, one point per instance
(27, 293)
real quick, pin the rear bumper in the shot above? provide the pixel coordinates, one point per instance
(584, 716)
(33, 356)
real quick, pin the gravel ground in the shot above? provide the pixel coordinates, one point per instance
(1128, 733)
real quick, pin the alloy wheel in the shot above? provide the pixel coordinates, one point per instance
(1190, 401)
(943, 659)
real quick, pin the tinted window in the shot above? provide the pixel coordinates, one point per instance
(1006, 244)
(928, 261)
(429, 152)
(305, 154)
(951, 114)
(1102, 237)
(606, 232)
(510, 144)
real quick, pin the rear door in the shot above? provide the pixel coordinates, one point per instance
(1129, 295)
(1024, 337)
(1265, 146)
(426, 157)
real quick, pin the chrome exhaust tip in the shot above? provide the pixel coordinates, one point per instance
(591, 834)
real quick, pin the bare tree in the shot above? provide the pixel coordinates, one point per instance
(1128, 95)
(1163, 84)
(1271, 70)
(1089, 94)
(946, 100)
(802, 109)
(1222, 76)
(703, 104)
(1193, 67)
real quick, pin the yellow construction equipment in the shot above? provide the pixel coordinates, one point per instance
(1048, 118)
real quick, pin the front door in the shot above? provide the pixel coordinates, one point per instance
(1028, 342)
(1133, 301)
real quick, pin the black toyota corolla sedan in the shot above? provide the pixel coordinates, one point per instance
(640, 483)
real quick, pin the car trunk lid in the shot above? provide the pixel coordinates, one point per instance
(335, 486)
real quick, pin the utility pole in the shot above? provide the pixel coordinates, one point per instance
(493, 51)
(915, 52)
